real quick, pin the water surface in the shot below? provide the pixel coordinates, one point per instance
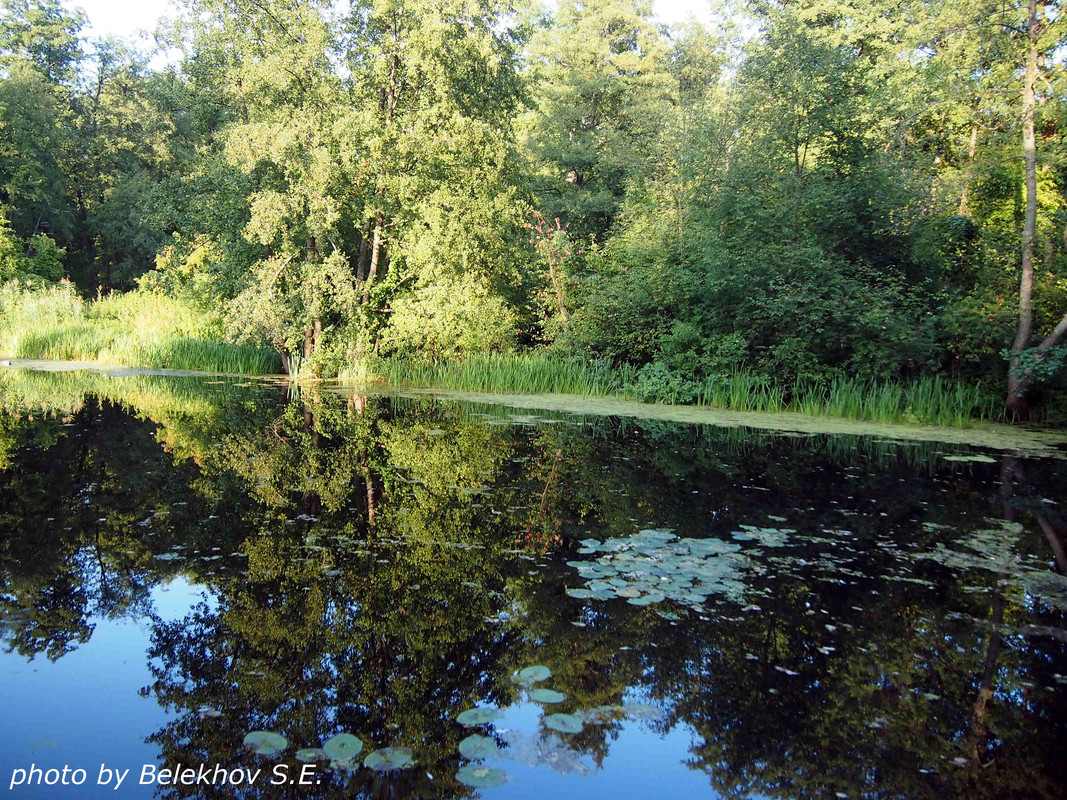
(721, 611)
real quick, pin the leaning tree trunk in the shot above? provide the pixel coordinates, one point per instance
(1020, 376)
(1016, 399)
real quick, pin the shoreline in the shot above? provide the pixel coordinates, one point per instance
(1046, 443)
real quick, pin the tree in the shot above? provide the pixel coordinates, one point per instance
(1040, 42)
(599, 81)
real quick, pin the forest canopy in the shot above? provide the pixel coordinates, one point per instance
(801, 190)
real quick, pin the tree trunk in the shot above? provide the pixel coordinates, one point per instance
(1016, 399)
(972, 153)
(375, 255)
(363, 262)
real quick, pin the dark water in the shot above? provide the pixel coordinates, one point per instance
(727, 613)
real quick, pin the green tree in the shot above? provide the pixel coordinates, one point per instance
(600, 86)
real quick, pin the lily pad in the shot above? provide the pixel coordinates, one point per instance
(265, 743)
(309, 755)
(479, 777)
(389, 759)
(547, 696)
(564, 723)
(343, 747)
(475, 746)
(473, 717)
(534, 674)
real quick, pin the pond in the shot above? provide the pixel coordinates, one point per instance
(214, 587)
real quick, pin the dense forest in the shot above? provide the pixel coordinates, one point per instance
(802, 192)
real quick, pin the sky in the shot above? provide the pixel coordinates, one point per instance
(125, 18)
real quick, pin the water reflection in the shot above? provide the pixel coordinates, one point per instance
(379, 565)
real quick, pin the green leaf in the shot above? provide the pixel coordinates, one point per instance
(478, 716)
(265, 743)
(479, 777)
(534, 674)
(389, 759)
(564, 723)
(343, 747)
(477, 746)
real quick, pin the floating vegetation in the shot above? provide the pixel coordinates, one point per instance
(534, 674)
(548, 750)
(479, 777)
(477, 746)
(546, 696)
(265, 743)
(655, 565)
(311, 755)
(602, 715)
(344, 747)
(474, 717)
(767, 537)
(564, 723)
(993, 550)
(389, 759)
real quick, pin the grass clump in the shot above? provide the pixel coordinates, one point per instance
(930, 400)
(136, 329)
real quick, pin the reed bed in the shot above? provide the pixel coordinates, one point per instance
(516, 374)
(929, 401)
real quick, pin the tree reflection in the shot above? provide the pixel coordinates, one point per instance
(376, 566)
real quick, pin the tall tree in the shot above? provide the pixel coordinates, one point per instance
(601, 86)
(1037, 53)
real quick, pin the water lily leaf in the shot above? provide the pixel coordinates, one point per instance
(265, 743)
(309, 755)
(580, 594)
(534, 674)
(475, 746)
(564, 723)
(477, 716)
(479, 777)
(343, 747)
(641, 711)
(547, 696)
(648, 599)
(601, 714)
(388, 759)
